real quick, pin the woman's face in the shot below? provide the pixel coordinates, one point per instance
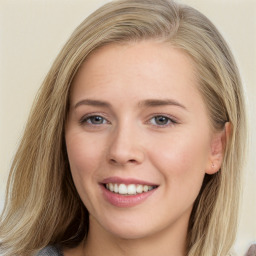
(138, 125)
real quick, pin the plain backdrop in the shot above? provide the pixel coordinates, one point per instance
(32, 33)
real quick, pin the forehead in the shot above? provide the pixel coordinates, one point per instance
(155, 62)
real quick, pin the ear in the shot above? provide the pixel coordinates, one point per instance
(218, 145)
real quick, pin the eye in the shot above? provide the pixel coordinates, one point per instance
(161, 121)
(93, 120)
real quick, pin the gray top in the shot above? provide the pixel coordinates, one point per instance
(50, 251)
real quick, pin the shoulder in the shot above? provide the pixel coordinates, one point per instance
(50, 251)
(252, 250)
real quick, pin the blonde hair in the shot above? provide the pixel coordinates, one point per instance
(42, 206)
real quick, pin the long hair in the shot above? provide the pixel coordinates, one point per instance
(42, 206)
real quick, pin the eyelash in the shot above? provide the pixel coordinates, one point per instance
(170, 120)
(84, 119)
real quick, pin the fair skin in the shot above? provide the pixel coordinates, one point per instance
(137, 118)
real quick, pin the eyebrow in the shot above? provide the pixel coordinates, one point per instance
(89, 102)
(161, 102)
(144, 103)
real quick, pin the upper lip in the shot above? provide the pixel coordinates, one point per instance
(126, 181)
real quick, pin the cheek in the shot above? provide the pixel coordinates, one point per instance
(83, 156)
(182, 165)
(183, 159)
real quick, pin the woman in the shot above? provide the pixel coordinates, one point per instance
(135, 143)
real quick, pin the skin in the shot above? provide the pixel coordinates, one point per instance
(130, 143)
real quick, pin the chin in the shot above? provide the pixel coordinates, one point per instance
(130, 234)
(131, 228)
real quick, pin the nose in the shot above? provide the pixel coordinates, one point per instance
(125, 148)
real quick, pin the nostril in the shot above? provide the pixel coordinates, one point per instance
(120, 162)
(113, 161)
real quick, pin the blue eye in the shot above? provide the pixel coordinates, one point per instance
(94, 120)
(161, 121)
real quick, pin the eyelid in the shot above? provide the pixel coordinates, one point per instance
(83, 119)
(173, 120)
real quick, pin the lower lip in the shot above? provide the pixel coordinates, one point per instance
(125, 200)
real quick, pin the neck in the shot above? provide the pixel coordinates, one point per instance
(170, 241)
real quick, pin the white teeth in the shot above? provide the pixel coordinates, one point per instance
(139, 189)
(122, 189)
(130, 189)
(116, 188)
(111, 187)
(145, 188)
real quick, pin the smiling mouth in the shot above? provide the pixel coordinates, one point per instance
(130, 189)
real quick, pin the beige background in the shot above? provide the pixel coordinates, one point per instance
(32, 33)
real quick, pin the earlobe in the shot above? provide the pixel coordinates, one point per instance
(218, 145)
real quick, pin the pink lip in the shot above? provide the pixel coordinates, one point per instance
(125, 200)
(119, 180)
